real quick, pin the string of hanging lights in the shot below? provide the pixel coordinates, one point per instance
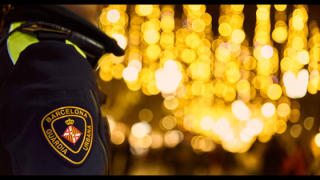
(216, 86)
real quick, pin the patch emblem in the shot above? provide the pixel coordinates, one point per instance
(69, 132)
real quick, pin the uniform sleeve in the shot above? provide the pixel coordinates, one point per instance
(50, 118)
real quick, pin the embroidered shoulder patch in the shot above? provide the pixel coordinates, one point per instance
(69, 132)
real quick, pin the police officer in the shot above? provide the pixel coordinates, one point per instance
(50, 120)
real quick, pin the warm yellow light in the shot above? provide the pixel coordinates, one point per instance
(229, 93)
(198, 25)
(192, 40)
(283, 110)
(111, 121)
(280, 126)
(117, 71)
(240, 110)
(121, 40)
(188, 55)
(167, 81)
(295, 130)
(116, 59)
(105, 73)
(113, 15)
(168, 122)
(157, 140)
(136, 64)
(222, 126)
(167, 23)
(208, 90)
(262, 37)
(167, 38)
(130, 74)
(145, 141)
(279, 34)
(140, 129)
(297, 43)
(151, 36)
(144, 10)
(196, 88)
(194, 7)
(152, 88)
(296, 87)
(246, 135)
(267, 51)
(170, 65)
(280, 7)
(172, 138)
(103, 18)
(117, 137)
(210, 82)
(274, 91)
(145, 115)
(237, 7)
(225, 29)
(262, 13)
(303, 57)
(243, 86)
(224, 49)
(238, 36)
(202, 143)
(153, 51)
(255, 126)
(317, 139)
(189, 121)
(268, 109)
(308, 123)
(233, 75)
(297, 23)
(206, 123)
(171, 102)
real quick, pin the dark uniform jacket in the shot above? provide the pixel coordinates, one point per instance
(50, 120)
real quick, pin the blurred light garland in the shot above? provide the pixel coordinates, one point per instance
(216, 86)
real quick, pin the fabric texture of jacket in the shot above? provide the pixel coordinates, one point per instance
(50, 120)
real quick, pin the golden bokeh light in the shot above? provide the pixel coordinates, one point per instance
(198, 25)
(151, 36)
(238, 36)
(207, 123)
(216, 85)
(280, 7)
(144, 9)
(130, 74)
(225, 29)
(297, 23)
(279, 34)
(283, 110)
(262, 13)
(295, 130)
(145, 115)
(113, 15)
(317, 139)
(267, 51)
(268, 109)
(274, 91)
(140, 129)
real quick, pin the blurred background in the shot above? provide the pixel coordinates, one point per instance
(212, 89)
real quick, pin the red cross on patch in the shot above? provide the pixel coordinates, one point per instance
(72, 134)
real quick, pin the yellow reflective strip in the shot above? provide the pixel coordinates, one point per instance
(77, 48)
(18, 41)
